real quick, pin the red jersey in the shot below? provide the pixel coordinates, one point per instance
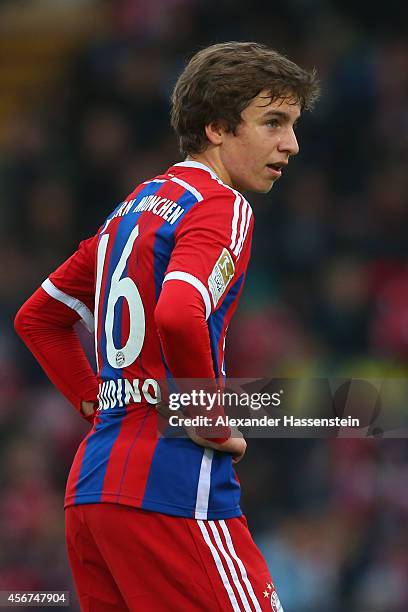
(184, 225)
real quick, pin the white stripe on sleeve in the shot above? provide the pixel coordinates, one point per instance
(246, 229)
(86, 316)
(192, 280)
(237, 205)
(245, 209)
(220, 567)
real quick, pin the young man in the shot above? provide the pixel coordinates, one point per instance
(154, 523)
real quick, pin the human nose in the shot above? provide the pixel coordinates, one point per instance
(288, 143)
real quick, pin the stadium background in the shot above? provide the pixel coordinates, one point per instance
(83, 117)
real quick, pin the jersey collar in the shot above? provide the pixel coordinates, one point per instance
(199, 166)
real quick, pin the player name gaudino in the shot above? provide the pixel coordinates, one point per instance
(117, 393)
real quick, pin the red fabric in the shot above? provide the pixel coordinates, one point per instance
(129, 559)
(206, 232)
(183, 331)
(210, 235)
(221, 223)
(46, 327)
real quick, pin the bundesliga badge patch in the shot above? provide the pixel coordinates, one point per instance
(221, 275)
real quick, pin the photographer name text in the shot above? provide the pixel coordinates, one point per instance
(176, 420)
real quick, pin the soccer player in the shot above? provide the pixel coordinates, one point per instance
(153, 523)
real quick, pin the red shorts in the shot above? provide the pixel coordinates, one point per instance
(124, 558)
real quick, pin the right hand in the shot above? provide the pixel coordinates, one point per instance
(235, 445)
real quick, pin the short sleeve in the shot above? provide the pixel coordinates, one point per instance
(212, 246)
(73, 283)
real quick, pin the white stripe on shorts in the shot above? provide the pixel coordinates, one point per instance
(220, 567)
(231, 567)
(241, 566)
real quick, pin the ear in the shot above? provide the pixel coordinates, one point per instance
(215, 133)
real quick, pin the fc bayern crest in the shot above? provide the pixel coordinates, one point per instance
(273, 597)
(120, 358)
(275, 602)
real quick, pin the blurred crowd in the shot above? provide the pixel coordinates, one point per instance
(326, 293)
